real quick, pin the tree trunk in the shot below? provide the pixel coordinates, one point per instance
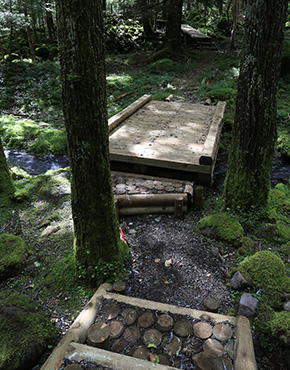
(50, 22)
(236, 11)
(173, 27)
(248, 177)
(6, 183)
(29, 37)
(98, 248)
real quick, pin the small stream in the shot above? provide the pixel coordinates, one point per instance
(280, 171)
(37, 165)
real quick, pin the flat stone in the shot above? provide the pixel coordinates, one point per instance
(248, 305)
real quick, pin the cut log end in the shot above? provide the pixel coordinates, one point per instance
(98, 335)
(202, 330)
(183, 328)
(146, 320)
(164, 323)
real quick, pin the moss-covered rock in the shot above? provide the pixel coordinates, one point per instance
(13, 253)
(164, 65)
(247, 246)
(24, 332)
(222, 94)
(267, 272)
(223, 227)
(285, 249)
(283, 143)
(283, 229)
(18, 173)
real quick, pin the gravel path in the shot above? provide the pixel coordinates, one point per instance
(172, 264)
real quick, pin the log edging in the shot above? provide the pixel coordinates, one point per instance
(118, 118)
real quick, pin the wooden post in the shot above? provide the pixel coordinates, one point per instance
(198, 196)
(178, 207)
(117, 208)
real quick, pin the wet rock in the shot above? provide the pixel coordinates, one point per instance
(248, 305)
(238, 281)
(286, 306)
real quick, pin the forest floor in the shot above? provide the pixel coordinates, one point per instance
(170, 262)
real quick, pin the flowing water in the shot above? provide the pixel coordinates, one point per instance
(35, 165)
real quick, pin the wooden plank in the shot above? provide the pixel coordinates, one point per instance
(212, 140)
(170, 164)
(116, 361)
(78, 330)
(193, 33)
(244, 349)
(125, 113)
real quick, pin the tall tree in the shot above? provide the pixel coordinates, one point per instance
(173, 32)
(98, 248)
(248, 177)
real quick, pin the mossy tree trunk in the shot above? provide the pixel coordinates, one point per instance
(249, 166)
(81, 47)
(173, 27)
(6, 183)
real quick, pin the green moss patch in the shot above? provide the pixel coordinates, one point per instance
(279, 210)
(268, 273)
(223, 227)
(222, 94)
(164, 65)
(247, 246)
(24, 332)
(13, 253)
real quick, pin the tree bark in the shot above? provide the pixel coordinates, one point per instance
(29, 37)
(248, 177)
(173, 27)
(98, 249)
(6, 183)
(50, 22)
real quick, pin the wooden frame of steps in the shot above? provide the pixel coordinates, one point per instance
(167, 139)
(72, 344)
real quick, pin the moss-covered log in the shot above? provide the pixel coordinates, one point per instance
(81, 45)
(248, 177)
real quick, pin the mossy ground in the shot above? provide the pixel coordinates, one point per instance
(13, 253)
(25, 330)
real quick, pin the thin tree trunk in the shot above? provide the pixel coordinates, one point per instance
(81, 45)
(30, 39)
(6, 183)
(236, 12)
(49, 22)
(248, 177)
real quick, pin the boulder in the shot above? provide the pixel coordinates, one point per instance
(223, 227)
(248, 305)
(25, 332)
(238, 282)
(13, 253)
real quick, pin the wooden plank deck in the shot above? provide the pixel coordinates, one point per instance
(170, 139)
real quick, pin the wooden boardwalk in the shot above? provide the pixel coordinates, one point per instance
(170, 139)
